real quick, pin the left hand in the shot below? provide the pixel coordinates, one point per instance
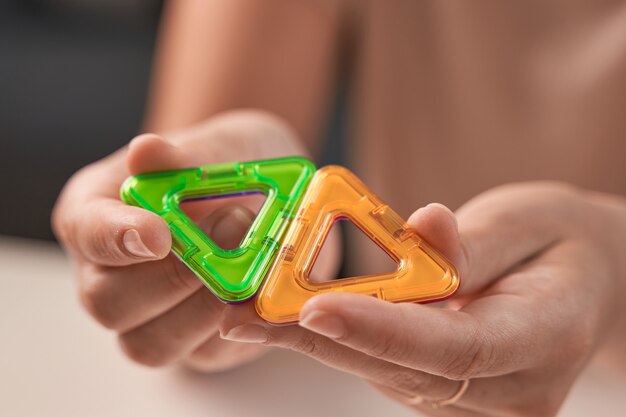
(127, 279)
(540, 278)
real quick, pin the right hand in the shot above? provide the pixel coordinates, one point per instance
(127, 278)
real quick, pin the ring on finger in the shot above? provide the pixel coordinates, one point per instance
(454, 398)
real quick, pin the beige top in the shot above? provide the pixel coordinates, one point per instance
(453, 98)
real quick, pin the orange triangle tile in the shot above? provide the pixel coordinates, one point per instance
(335, 193)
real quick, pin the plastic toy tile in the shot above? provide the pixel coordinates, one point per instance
(335, 193)
(233, 275)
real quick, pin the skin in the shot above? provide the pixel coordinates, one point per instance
(127, 278)
(540, 293)
(500, 330)
(525, 322)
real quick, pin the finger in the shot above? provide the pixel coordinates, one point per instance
(495, 232)
(124, 298)
(94, 224)
(216, 354)
(425, 406)
(152, 153)
(241, 324)
(229, 137)
(417, 336)
(512, 394)
(179, 331)
(484, 396)
(241, 135)
(528, 393)
(438, 226)
(444, 342)
(417, 402)
(494, 335)
(107, 232)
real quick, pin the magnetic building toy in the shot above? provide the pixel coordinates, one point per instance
(281, 246)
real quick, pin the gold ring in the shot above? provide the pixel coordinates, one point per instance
(457, 395)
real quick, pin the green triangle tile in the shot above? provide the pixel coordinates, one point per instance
(233, 275)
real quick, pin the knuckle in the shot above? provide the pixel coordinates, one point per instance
(105, 245)
(94, 296)
(243, 128)
(392, 345)
(389, 348)
(408, 381)
(139, 351)
(307, 345)
(473, 359)
(310, 345)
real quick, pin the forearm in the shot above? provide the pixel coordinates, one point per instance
(218, 56)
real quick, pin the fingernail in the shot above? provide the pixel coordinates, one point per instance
(228, 230)
(246, 333)
(133, 244)
(324, 323)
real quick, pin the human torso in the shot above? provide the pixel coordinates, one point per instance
(453, 98)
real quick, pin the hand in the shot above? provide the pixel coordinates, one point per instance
(127, 278)
(539, 283)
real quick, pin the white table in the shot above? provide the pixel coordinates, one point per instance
(55, 361)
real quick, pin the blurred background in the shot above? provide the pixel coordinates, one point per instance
(73, 80)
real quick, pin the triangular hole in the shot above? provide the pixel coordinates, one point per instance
(205, 211)
(352, 263)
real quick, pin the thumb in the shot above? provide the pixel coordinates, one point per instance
(437, 224)
(228, 137)
(496, 231)
(227, 226)
(152, 153)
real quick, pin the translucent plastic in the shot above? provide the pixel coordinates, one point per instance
(335, 193)
(233, 275)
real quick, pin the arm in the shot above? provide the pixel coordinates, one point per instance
(277, 56)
